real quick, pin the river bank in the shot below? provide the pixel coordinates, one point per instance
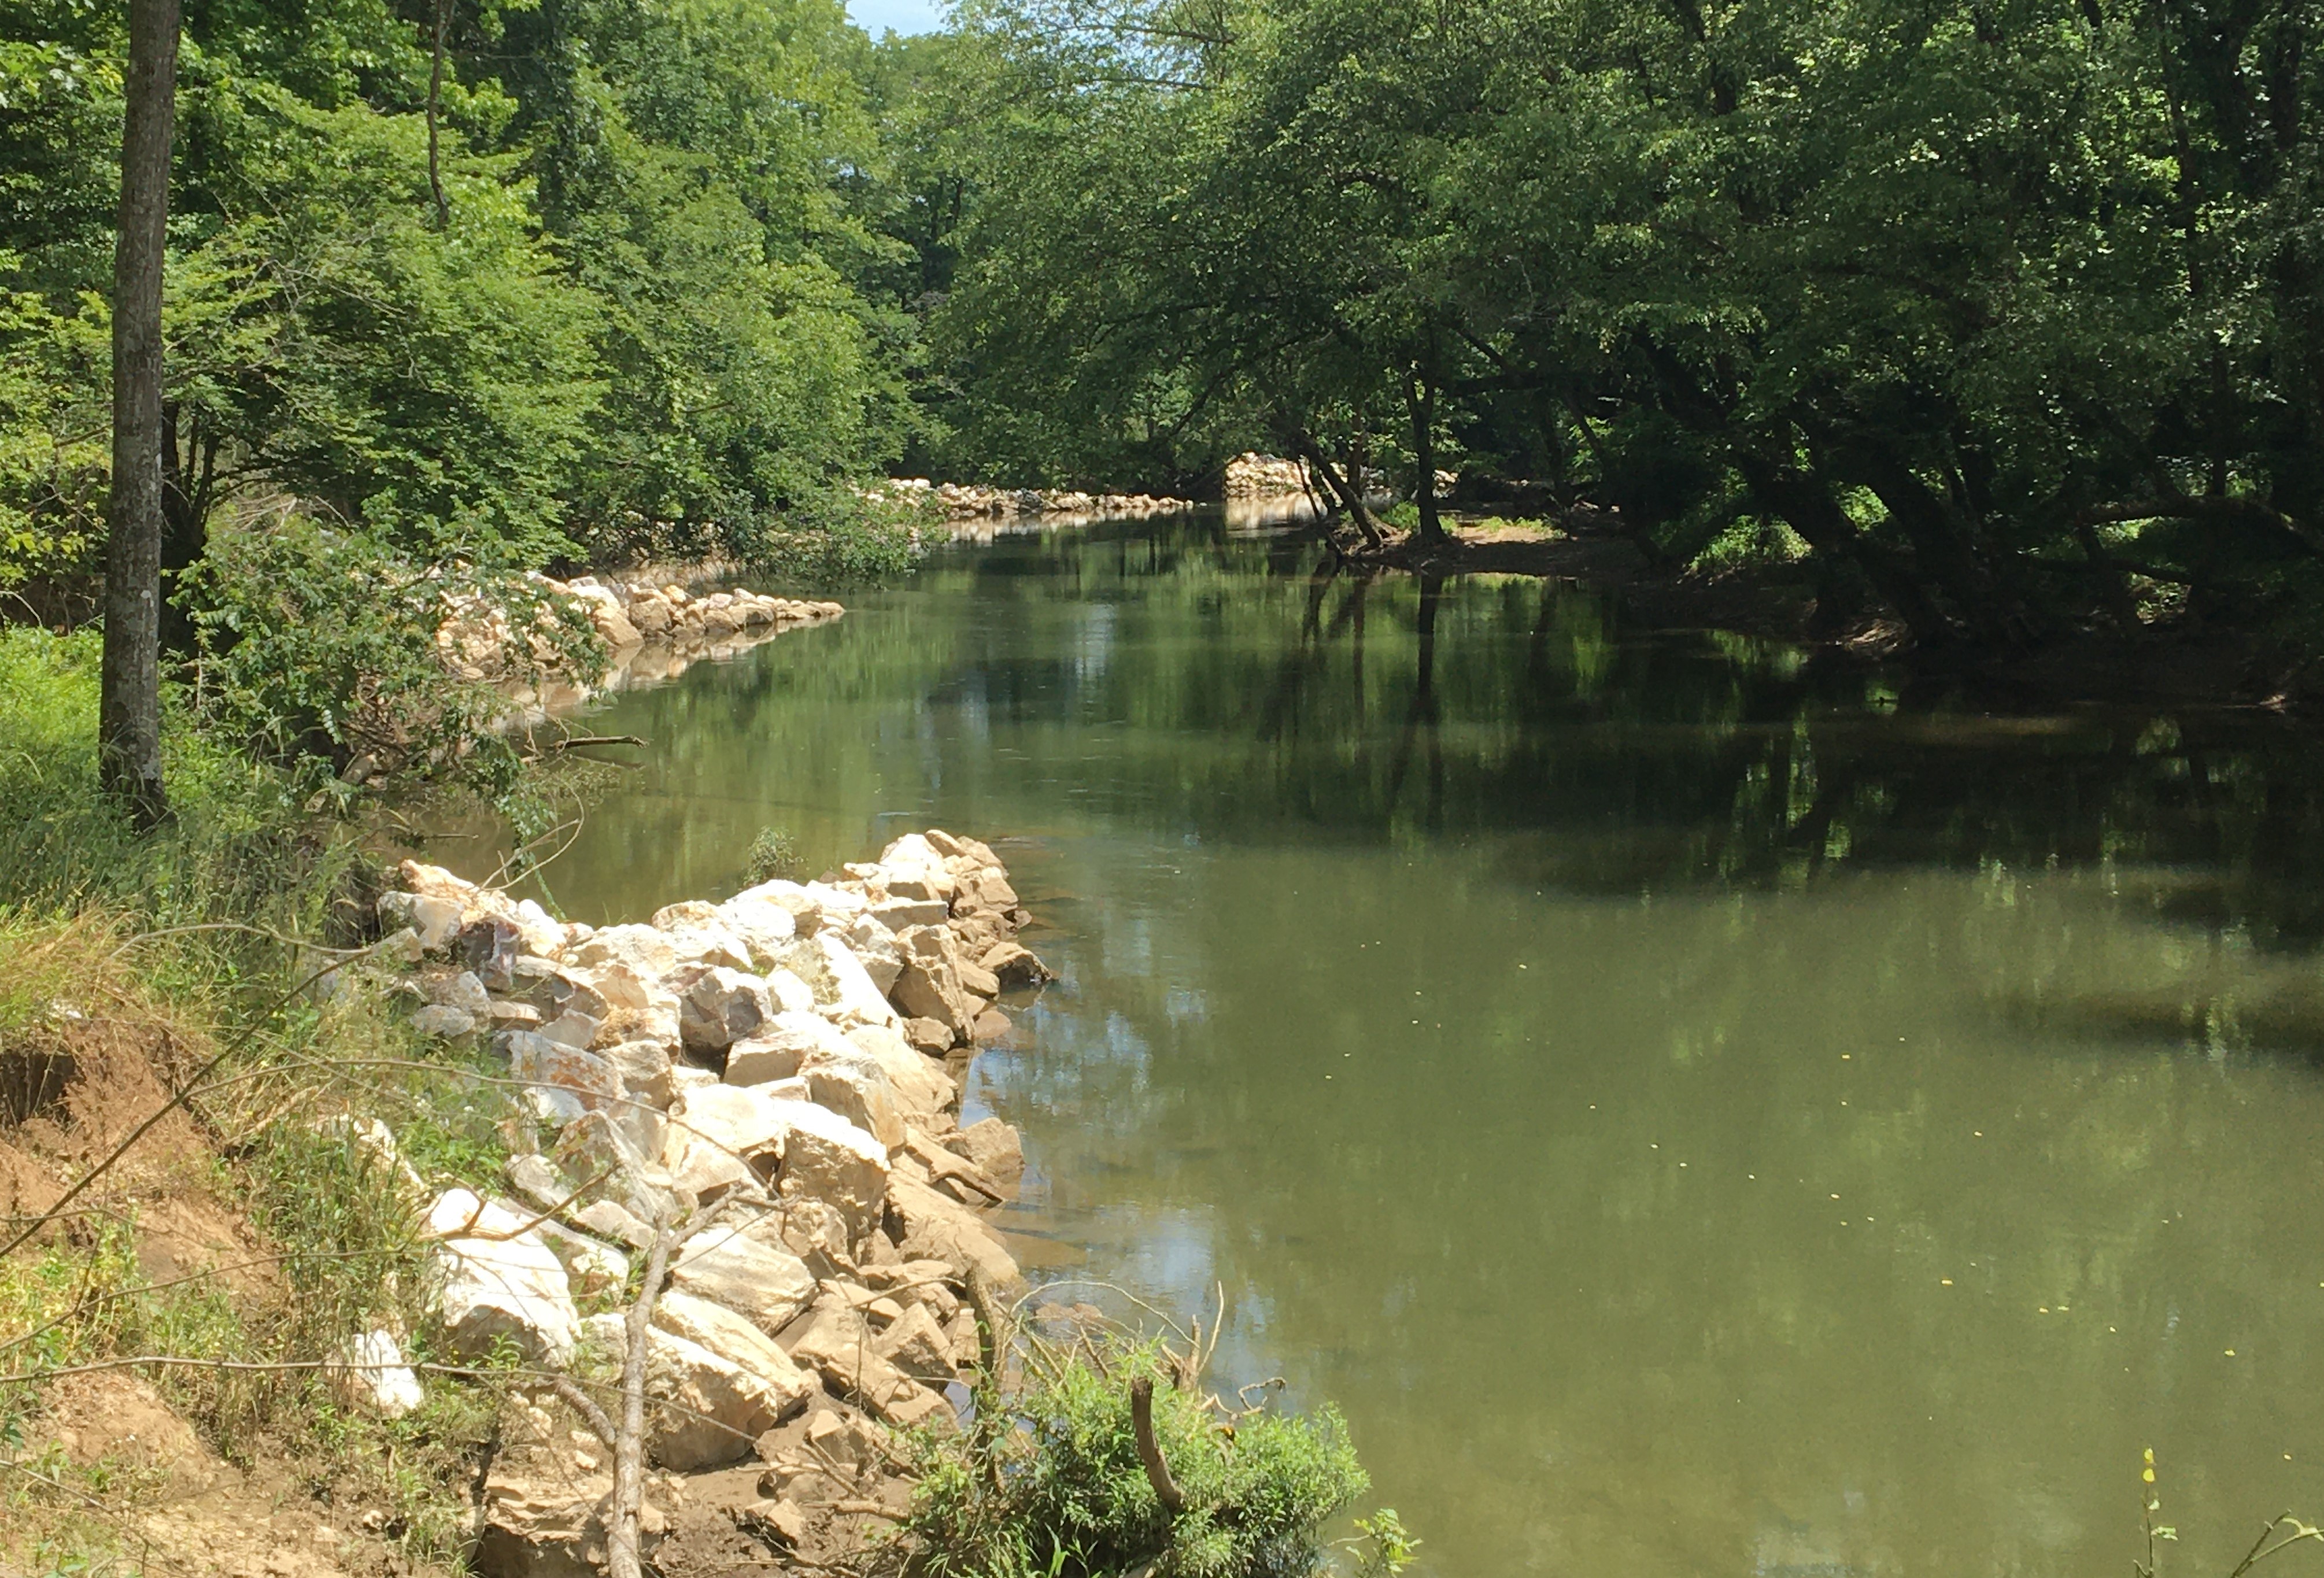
(775, 1079)
(2173, 659)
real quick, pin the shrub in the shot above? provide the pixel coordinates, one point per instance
(773, 853)
(321, 647)
(1049, 1481)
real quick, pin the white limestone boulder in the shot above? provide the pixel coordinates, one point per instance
(855, 998)
(498, 1279)
(922, 1086)
(643, 951)
(746, 1269)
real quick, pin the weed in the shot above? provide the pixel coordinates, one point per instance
(773, 853)
(1049, 1481)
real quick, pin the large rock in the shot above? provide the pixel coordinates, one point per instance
(642, 950)
(615, 1221)
(922, 1086)
(545, 1518)
(837, 904)
(996, 1149)
(838, 1342)
(788, 993)
(710, 944)
(766, 927)
(893, 915)
(873, 943)
(988, 889)
(721, 1136)
(434, 919)
(937, 1227)
(498, 1279)
(855, 998)
(917, 1345)
(460, 990)
(782, 1048)
(929, 985)
(747, 1269)
(368, 1371)
(704, 1411)
(575, 1082)
(1013, 965)
(858, 1090)
(620, 988)
(826, 1157)
(916, 869)
(805, 907)
(724, 1006)
(643, 1068)
(614, 626)
(436, 1019)
(733, 1338)
(650, 615)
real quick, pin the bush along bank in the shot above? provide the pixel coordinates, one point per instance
(803, 1335)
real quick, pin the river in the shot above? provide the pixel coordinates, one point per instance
(1696, 1111)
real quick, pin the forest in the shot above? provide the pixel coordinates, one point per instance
(1968, 333)
(1999, 316)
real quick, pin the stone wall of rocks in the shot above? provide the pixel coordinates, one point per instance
(797, 1052)
(631, 616)
(960, 501)
(1261, 477)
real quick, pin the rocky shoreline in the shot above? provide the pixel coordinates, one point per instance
(1247, 477)
(474, 640)
(786, 1065)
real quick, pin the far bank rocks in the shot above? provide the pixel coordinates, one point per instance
(968, 501)
(653, 628)
(791, 1058)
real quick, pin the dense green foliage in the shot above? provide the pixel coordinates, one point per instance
(2005, 312)
(1049, 1481)
(2002, 313)
(620, 289)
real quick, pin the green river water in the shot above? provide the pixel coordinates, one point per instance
(1695, 1112)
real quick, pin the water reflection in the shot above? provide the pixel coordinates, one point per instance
(1698, 1110)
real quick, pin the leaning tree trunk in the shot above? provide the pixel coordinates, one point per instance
(129, 707)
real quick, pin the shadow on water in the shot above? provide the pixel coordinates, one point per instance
(1698, 1109)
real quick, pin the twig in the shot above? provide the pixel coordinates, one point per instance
(577, 742)
(867, 1509)
(629, 1444)
(586, 1406)
(502, 1235)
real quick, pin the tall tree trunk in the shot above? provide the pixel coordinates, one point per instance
(1806, 503)
(1420, 398)
(1349, 493)
(129, 708)
(435, 104)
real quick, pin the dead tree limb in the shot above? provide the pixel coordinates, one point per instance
(1149, 1448)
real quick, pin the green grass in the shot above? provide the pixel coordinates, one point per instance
(174, 946)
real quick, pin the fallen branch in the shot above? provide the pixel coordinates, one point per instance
(1149, 1449)
(867, 1509)
(577, 742)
